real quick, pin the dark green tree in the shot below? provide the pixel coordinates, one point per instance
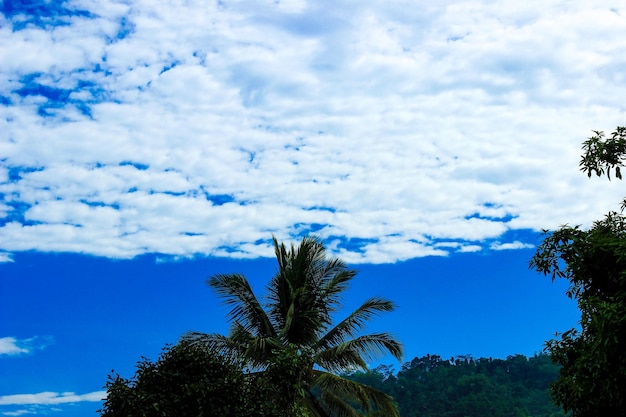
(602, 153)
(466, 387)
(592, 381)
(186, 381)
(291, 341)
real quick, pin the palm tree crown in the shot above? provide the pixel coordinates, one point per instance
(294, 328)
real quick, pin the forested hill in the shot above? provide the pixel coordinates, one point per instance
(466, 387)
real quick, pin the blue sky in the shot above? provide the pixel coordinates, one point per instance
(145, 146)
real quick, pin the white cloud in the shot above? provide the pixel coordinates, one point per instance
(6, 257)
(16, 413)
(470, 248)
(10, 346)
(13, 346)
(204, 128)
(511, 245)
(51, 398)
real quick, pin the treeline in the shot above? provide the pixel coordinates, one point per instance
(466, 387)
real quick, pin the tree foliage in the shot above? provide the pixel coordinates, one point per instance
(431, 386)
(290, 340)
(187, 381)
(602, 153)
(592, 381)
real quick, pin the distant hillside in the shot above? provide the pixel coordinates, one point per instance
(466, 387)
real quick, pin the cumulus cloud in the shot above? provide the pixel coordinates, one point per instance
(51, 398)
(16, 412)
(6, 257)
(390, 130)
(13, 346)
(511, 245)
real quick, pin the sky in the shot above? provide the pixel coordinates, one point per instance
(145, 146)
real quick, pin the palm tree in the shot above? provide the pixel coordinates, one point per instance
(291, 335)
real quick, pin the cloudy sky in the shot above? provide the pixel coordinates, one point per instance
(424, 142)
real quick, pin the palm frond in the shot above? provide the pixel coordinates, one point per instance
(225, 346)
(256, 349)
(313, 406)
(341, 397)
(279, 289)
(337, 407)
(236, 292)
(358, 351)
(281, 253)
(238, 347)
(335, 286)
(298, 304)
(340, 361)
(355, 322)
(259, 351)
